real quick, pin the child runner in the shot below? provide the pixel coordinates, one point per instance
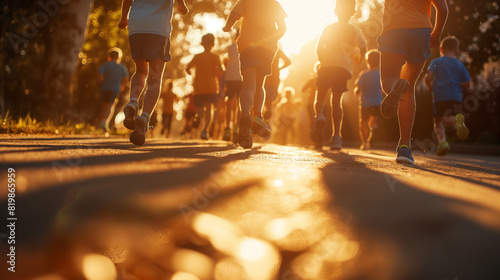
(405, 45)
(263, 25)
(206, 82)
(369, 91)
(113, 76)
(446, 78)
(168, 97)
(149, 25)
(233, 88)
(337, 48)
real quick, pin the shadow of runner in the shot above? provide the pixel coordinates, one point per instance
(405, 232)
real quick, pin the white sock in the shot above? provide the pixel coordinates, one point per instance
(440, 132)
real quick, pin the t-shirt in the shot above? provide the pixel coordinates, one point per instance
(449, 73)
(151, 16)
(371, 91)
(205, 78)
(403, 14)
(113, 75)
(233, 66)
(258, 28)
(337, 44)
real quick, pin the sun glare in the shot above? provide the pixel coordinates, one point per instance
(305, 21)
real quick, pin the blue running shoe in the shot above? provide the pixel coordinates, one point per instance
(404, 155)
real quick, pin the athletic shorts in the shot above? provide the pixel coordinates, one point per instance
(149, 47)
(445, 108)
(258, 57)
(366, 112)
(108, 96)
(414, 43)
(333, 77)
(201, 99)
(233, 89)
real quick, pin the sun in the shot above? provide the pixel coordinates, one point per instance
(305, 21)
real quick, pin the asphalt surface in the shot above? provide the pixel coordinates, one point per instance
(101, 208)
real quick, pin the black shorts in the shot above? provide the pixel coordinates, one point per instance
(149, 47)
(258, 57)
(333, 77)
(445, 108)
(233, 89)
(108, 96)
(202, 99)
(366, 112)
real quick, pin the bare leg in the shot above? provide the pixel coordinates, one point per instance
(154, 85)
(390, 69)
(336, 103)
(248, 89)
(406, 115)
(319, 103)
(138, 80)
(207, 115)
(260, 94)
(363, 131)
(230, 110)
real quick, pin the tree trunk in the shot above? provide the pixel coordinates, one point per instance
(66, 36)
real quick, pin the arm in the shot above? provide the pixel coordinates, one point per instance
(280, 23)
(286, 60)
(441, 16)
(231, 20)
(125, 9)
(465, 85)
(429, 80)
(181, 7)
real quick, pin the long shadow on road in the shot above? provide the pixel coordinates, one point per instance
(408, 233)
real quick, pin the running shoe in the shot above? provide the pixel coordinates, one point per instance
(130, 111)
(336, 142)
(462, 130)
(404, 155)
(442, 149)
(365, 146)
(390, 104)
(138, 136)
(227, 134)
(318, 131)
(245, 132)
(259, 127)
(204, 135)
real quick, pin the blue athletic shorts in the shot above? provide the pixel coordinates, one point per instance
(149, 47)
(258, 57)
(415, 43)
(333, 77)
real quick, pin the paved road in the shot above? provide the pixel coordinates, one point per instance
(99, 208)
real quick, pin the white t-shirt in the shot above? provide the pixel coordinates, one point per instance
(337, 44)
(233, 66)
(151, 16)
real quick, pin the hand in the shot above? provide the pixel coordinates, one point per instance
(227, 28)
(188, 70)
(123, 23)
(182, 9)
(435, 39)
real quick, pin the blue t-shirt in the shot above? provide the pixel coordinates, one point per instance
(368, 83)
(448, 74)
(113, 74)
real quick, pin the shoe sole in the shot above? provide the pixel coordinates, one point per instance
(405, 160)
(137, 137)
(462, 130)
(318, 131)
(258, 129)
(129, 121)
(390, 104)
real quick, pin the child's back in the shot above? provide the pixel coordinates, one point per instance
(337, 45)
(370, 89)
(205, 80)
(449, 74)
